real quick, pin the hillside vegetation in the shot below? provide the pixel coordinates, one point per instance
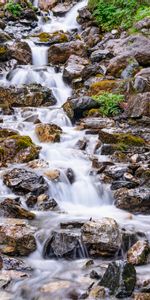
(111, 14)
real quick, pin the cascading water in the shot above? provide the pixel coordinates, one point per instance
(83, 199)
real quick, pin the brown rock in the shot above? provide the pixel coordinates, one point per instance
(59, 53)
(139, 105)
(17, 239)
(48, 133)
(11, 209)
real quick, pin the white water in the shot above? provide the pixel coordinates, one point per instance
(86, 197)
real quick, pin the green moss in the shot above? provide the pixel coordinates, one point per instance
(46, 37)
(3, 50)
(128, 139)
(22, 142)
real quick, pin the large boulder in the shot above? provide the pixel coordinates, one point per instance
(21, 52)
(120, 279)
(134, 200)
(139, 105)
(136, 46)
(75, 107)
(102, 238)
(16, 239)
(48, 132)
(16, 148)
(31, 95)
(74, 68)
(22, 182)
(59, 53)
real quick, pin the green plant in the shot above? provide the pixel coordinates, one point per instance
(109, 103)
(111, 14)
(14, 8)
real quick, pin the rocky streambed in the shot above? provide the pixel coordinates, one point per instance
(74, 196)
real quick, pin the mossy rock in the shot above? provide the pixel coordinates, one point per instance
(17, 148)
(121, 141)
(56, 37)
(3, 52)
(112, 86)
(68, 108)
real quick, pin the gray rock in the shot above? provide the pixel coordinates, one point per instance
(120, 279)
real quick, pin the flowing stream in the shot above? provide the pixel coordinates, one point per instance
(86, 197)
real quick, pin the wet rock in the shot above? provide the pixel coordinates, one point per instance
(139, 105)
(116, 171)
(46, 204)
(74, 67)
(48, 133)
(142, 81)
(33, 95)
(120, 279)
(97, 292)
(10, 208)
(81, 144)
(59, 53)
(17, 239)
(42, 202)
(138, 253)
(70, 175)
(73, 224)
(134, 200)
(102, 238)
(75, 107)
(21, 52)
(17, 148)
(15, 264)
(38, 164)
(63, 244)
(123, 184)
(52, 174)
(129, 238)
(22, 182)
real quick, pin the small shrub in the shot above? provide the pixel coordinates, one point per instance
(14, 8)
(109, 103)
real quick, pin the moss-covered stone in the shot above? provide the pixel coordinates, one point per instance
(56, 37)
(112, 86)
(17, 148)
(121, 140)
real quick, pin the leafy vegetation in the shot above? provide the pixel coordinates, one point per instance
(111, 14)
(14, 8)
(109, 103)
